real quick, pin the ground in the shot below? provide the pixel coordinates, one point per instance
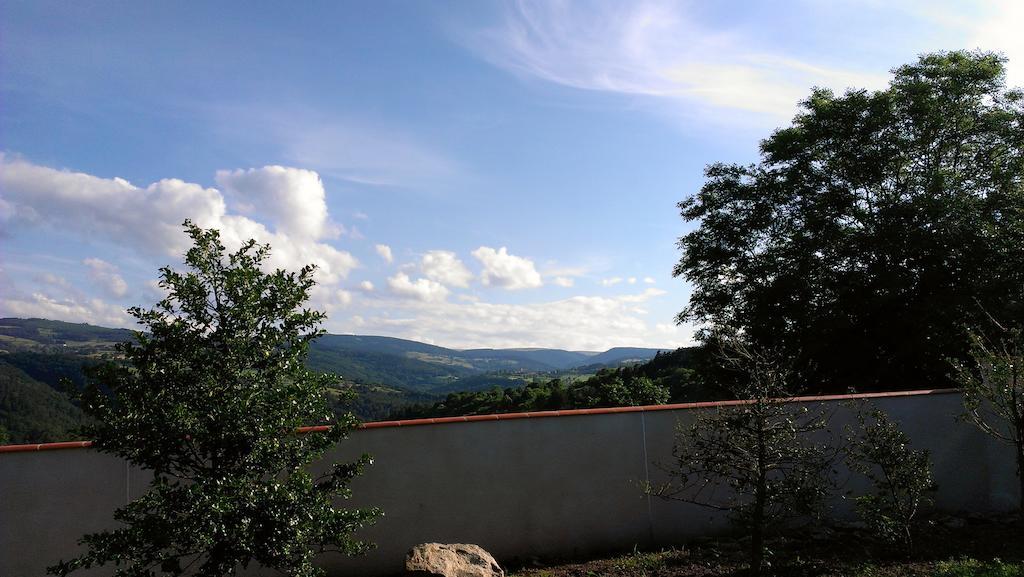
(962, 546)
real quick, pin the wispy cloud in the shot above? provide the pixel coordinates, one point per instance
(359, 150)
(654, 48)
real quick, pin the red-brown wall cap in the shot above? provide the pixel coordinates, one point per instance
(45, 446)
(535, 415)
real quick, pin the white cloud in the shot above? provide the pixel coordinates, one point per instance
(343, 297)
(366, 286)
(1000, 29)
(564, 281)
(631, 280)
(648, 294)
(506, 270)
(446, 268)
(576, 323)
(384, 251)
(357, 149)
(149, 218)
(106, 276)
(649, 280)
(294, 197)
(611, 281)
(421, 289)
(54, 281)
(654, 48)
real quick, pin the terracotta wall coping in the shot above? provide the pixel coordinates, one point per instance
(535, 415)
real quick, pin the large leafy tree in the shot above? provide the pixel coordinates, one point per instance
(873, 229)
(209, 399)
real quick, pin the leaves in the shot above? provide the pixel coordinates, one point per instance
(992, 381)
(761, 461)
(871, 228)
(901, 478)
(209, 398)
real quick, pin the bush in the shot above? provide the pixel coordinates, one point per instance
(901, 479)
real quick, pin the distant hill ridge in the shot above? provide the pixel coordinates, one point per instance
(362, 358)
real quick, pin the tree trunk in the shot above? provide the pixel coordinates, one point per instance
(760, 503)
(757, 547)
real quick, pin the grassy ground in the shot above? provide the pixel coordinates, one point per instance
(948, 547)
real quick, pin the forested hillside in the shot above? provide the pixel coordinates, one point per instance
(668, 377)
(390, 376)
(32, 411)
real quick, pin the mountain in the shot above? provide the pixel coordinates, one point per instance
(43, 334)
(528, 359)
(386, 373)
(622, 355)
(47, 350)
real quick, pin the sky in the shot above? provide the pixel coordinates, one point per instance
(469, 174)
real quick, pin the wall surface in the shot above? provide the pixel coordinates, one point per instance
(519, 487)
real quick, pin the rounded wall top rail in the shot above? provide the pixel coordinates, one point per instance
(534, 415)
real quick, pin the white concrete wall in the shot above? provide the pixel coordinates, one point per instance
(557, 486)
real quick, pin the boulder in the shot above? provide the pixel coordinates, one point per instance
(451, 560)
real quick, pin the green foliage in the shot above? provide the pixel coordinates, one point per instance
(208, 399)
(871, 228)
(641, 564)
(665, 378)
(758, 460)
(5, 438)
(975, 568)
(901, 479)
(992, 382)
(32, 412)
(639, 391)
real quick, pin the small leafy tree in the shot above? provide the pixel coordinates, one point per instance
(208, 399)
(993, 389)
(759, 460)
(901, 479)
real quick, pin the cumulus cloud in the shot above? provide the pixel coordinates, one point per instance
(649, 280)
(653, 48)
(564, 281)
(611, 281)
(384, 251)
(506, 270)
(149, 218)
(446, 268)
(292, 197)
(422, 289)
(106, 276)
(366, 286)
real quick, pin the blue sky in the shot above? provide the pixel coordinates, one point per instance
(472, 174)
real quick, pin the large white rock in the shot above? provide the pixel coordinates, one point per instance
(451, 560)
